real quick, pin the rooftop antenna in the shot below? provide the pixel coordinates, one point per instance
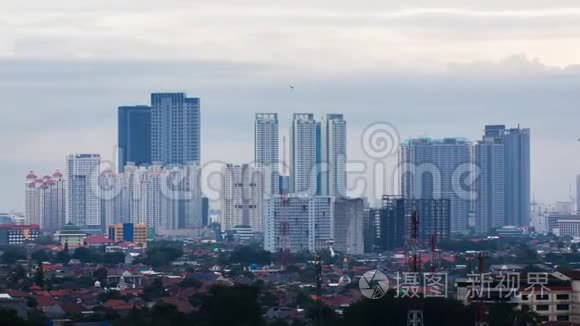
(415, 314)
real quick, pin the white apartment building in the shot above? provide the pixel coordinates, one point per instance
(83, 190)
(266, 153)
(303, 154)
(243, 192)
(348, 225)
(333, 156)
(298, 223)
(46, 201)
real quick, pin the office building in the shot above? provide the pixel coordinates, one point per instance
(266, 152)
(11, 234)
(433, 169)
(348, 225)
(298, 223)
(503, 188)
(393, 222)
(136, 233)
(371, 229)
(490, 185)
(333, 156)
(83, 191)
(304, 155)
(175, 128)
(134, 135)
(517, 172)
(243, 192)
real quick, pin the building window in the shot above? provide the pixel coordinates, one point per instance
(542, 307)
(562, 307)
(563, 318)
(541, 297)
(562, 296)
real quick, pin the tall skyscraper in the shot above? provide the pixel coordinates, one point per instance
(175, 128)
(311, 223)
(304, 154)
(333, 156)
(490, 185)
(435, 169)
(45, 201)
(134, 135)
(517, 172)
(266, 146)
(83, 191)
(32, 204)
(52, 201)
(243, 193)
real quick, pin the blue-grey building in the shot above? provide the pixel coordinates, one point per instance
(517, 172)
(175, 128)
(134, 135)
(437, 169)
(503, 186)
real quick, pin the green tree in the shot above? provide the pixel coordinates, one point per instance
(154, 290)
(12, 254)
(237, 305)
(39, 276)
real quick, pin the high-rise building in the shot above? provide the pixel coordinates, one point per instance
(164, 198)
(32, 204)
(517, 173)
(371, 234)
(348, 225)
(243, 192)
(52, 203)
(490, 185)
(333, 156)
(175, 128)
(308, 223)
(266, 154)
(304, 154)
(436, 169)
(394, 221)
(503, 187)
(134, 135)
(83, 191)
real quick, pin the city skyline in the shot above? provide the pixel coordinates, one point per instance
(406, 64)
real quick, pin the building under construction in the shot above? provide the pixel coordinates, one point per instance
(391, 224)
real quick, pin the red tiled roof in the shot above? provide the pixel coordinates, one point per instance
(45, 300)
(114, 302)
(97, 239)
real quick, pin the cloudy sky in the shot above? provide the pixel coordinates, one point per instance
(430, 68)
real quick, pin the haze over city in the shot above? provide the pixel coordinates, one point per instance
(430, 70)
